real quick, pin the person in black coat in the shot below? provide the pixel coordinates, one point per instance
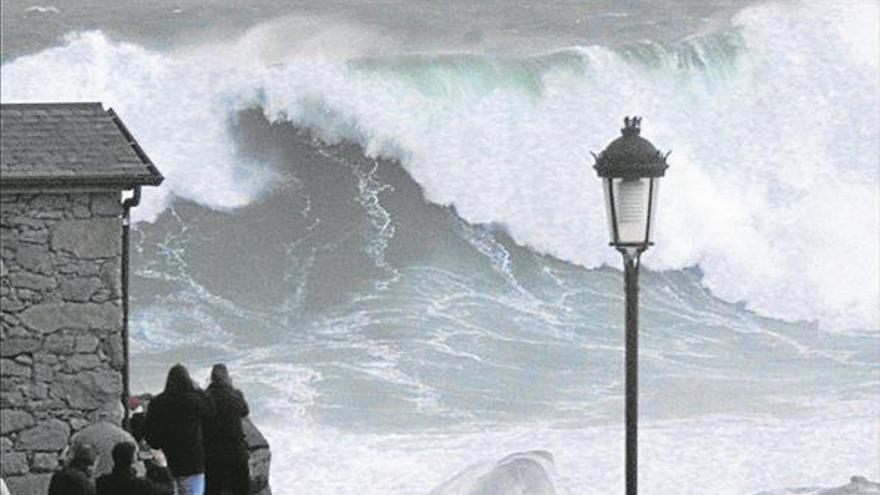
(123, 480)
(225, 447)
(174, 423)
(76, 477)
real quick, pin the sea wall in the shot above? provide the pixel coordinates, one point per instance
(61, 348)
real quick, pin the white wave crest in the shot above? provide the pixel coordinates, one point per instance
(773, 188)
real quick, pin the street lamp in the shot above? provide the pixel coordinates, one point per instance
(630, 168)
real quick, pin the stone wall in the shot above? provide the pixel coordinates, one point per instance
(61, 349)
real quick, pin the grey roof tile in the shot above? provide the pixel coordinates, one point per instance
(69, 143)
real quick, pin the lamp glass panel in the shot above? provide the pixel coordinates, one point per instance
(631, 209)
(606, 185)
(655, 188)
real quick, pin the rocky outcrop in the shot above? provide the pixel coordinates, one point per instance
(260, 457)
(523, 472)
(61, 314)
(858, 485)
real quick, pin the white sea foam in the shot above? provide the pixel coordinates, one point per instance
(43, 10)
(722, 455)
(773, 184)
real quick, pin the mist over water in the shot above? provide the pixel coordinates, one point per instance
(403, 258)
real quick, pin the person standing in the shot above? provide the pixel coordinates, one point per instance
(175, 423)
(226, 450)
(75, 478)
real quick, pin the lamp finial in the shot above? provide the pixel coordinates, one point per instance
(632, 126)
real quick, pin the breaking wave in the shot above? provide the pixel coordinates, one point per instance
(773, 189)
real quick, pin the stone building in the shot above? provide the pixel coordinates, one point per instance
(63, 345)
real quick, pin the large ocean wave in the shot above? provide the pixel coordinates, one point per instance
(773, 185)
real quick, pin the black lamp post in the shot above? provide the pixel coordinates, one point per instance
(630, 168)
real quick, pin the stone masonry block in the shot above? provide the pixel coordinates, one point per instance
(106, 205)
(32, 281)
(31, 484)
(86, 343)
(12, 420)
(10, 368)
(34, 257)
(79, 362)
(35, 236)
(78, 289)
(15, 346)
(111, 276)
(87, 389)
(44, 461)
(93, 238)
(60, 344)
(51, 435)
(13, 463)
(49, 317)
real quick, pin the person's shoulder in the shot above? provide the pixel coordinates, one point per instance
(102, 480)
(158, 403)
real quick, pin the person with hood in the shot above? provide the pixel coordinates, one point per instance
(225, 447)
(175, 423)
(123, 479)
(75, 478)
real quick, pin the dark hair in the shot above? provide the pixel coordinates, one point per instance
(178, 380)
(84, 455)
(123, 455)
(220, 375)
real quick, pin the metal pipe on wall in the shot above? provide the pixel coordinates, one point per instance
(127, 205)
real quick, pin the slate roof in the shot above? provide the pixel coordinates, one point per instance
(70, 144)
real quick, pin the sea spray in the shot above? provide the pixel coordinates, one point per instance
(772, 122)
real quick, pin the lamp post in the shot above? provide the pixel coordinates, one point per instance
(630, 169)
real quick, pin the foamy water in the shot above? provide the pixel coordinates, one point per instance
(388, 342)
(772, 123)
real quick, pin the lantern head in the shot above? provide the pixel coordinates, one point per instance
(631, 168)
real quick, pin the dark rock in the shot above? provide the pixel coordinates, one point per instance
(259, 459)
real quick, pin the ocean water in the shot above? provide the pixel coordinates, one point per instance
(384, 219)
